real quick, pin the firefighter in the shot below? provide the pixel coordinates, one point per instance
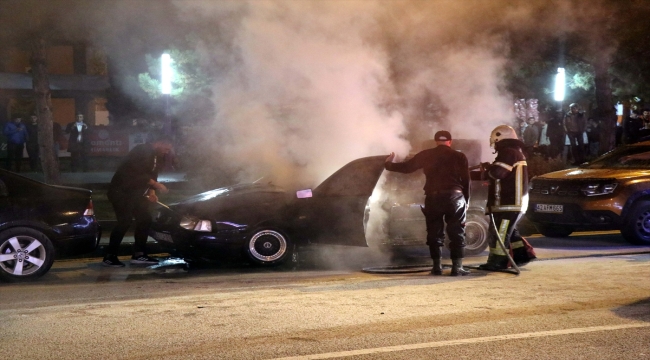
(507, 199)
(447, 196)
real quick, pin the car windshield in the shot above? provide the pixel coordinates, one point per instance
(626, 157)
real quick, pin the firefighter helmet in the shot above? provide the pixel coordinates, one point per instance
(502, 132)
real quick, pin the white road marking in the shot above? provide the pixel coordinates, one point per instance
(435, 344)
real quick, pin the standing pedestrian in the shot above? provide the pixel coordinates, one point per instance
(507, 199)
(447, 195)
(531, 137)
(593, 136)
(78, 144)
(17, 136)
(131, 191)
(32, 143)
(544, 142)
(574, 126)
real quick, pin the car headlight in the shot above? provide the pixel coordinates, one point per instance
(192, 223)
(598, 189)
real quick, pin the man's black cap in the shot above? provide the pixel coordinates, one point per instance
(442, 136)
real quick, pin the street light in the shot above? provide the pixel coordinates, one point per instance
(166, 74)
(560, 81)
(166, 89)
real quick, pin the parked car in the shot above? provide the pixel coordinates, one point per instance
(265, 223)
(405, 226)
(39, 222)
(611, 192)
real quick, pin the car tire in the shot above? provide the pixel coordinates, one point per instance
(477, 230)
(268, 247)
(25, 254)
(554, 230)
(636, 228)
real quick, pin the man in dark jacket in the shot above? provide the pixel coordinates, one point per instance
(575, 124)
(17, 136)
(507, 199)
(131, 190)
(78, 144)
(447, 195)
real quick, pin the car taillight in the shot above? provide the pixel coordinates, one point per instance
(89, 209)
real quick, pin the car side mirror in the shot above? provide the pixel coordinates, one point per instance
(303, 194)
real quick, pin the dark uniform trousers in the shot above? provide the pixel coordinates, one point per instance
(446, 207)
(506, 224)
(128, 207)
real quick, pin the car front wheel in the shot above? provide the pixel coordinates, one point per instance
(24, 254)
(268, 247)
(636, 229)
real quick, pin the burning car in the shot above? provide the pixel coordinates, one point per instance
(266, 223)
(39, 221)
(611, 192)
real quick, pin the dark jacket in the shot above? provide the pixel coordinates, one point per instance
(76, 142)
(508, 176)
(445, 169)
(16, 133)
(133, 174)
(575, 122)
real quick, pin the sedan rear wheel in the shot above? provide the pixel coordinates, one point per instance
(476, 234)
(24, 254)
(268, 247)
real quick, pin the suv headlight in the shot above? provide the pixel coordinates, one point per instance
(192, 223)
(598, 189)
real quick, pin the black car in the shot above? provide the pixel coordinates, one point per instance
(265, 223)
(40, 221)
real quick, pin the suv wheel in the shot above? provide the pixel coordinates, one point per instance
(554, 230)
(636, 228)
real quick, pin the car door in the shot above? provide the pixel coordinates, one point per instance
(334, 210)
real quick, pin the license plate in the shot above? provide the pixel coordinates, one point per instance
(549, 208)
(161, 236)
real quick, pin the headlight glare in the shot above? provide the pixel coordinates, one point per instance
(598, 189)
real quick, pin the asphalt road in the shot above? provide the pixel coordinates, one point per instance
(587, 298)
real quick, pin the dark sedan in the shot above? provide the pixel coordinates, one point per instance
(265, 223)
(40, 221)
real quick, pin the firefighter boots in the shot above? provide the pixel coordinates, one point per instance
(436, 256)
(457, 268)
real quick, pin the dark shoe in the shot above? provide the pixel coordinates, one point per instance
(524, 262)
(143, 260)
(436, 270)
(492, 267)
(457, 268)
(112, 261)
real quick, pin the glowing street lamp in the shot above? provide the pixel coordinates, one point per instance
(166, 88)
(560, 83)
(166, 74)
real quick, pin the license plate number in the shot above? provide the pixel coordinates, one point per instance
(161, 236)
(549, 208)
